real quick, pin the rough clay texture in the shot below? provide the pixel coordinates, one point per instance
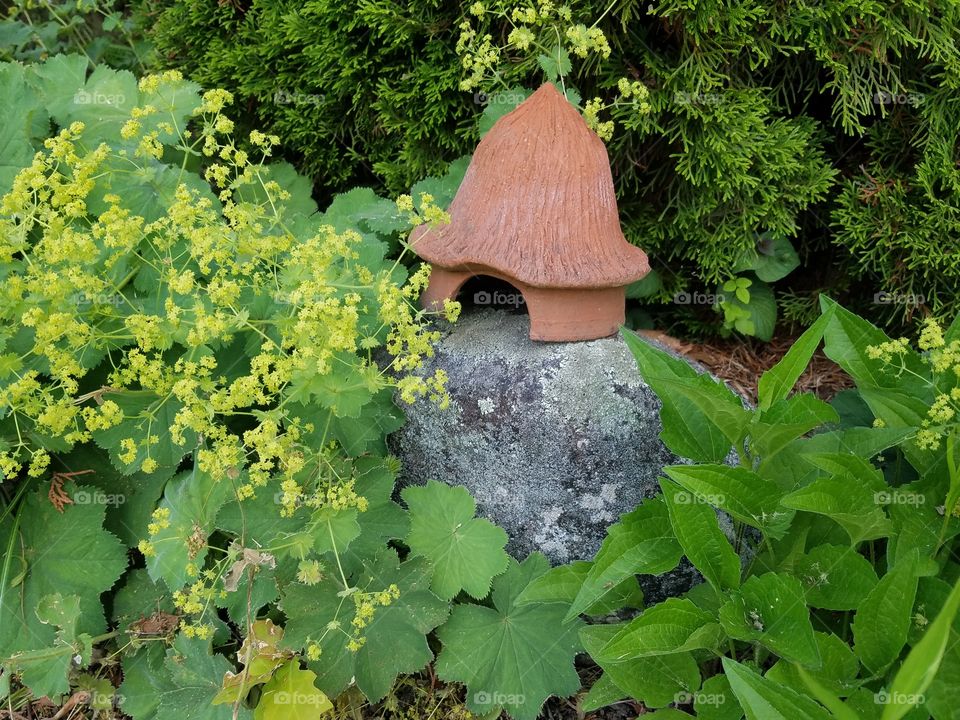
(554, 440)
(537, 204)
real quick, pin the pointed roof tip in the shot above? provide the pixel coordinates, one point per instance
(537, 204)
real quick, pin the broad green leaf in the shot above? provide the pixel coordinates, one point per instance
(772, 259)
(334, 530)
(641, 543)
(510, 656)
(922, 663)
(838, 673)
(147, 418)
(847, 502)
(943, 695)
(145, 679)
(715, 700)
(698, 531)
(58, 81)
(656, 681)
(675, 625)
(835, 577)
(192, 499)
(466, 553)
(362, 208)
(882, 621)
(195, 674)
(561, 584)
(103, 104)
(20, 106)
(827, 697)
(742, 493)
(787, 420)
(66, 554)
(290, 693)
(699, 414)
(763, 699)
(602, 693)
(395, 639)
(770, 609)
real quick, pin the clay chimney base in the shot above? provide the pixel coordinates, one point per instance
(556, 314)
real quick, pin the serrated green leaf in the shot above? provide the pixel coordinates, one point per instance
(395, 638)
(764, 699)
(656, 681)
(838, 672)
(16, 118)
(510, 656)
(57, 80)
(555, 65)
(770, 609)
(642, 542)
(466, 553)
(699, 415)
(835, 577)
(193, 499)
(195, 675)
(562, 583)
(67, 553)
(698, 532)
(787, 420)
(738, 491)
(715, 700)
(882, 621)
(499, 104)
(675, 625)
(292, 694)
(846, 502)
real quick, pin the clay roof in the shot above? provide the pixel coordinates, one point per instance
(537, 204)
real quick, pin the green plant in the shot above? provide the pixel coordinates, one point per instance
(197, 377)
(823, 126)
(105, 31)
(834, 589)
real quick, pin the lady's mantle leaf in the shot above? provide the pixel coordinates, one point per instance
(65, 553)
(466, 553)
(395, 639)
(196, 675)
(511, 656)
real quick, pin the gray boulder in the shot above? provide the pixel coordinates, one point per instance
(554, 440)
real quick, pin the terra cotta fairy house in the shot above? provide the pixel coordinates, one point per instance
(537, 209)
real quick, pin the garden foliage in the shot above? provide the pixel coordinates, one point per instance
(778, 134)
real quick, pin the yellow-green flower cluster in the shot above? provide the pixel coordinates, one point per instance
(591, 113)
(365, 608)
